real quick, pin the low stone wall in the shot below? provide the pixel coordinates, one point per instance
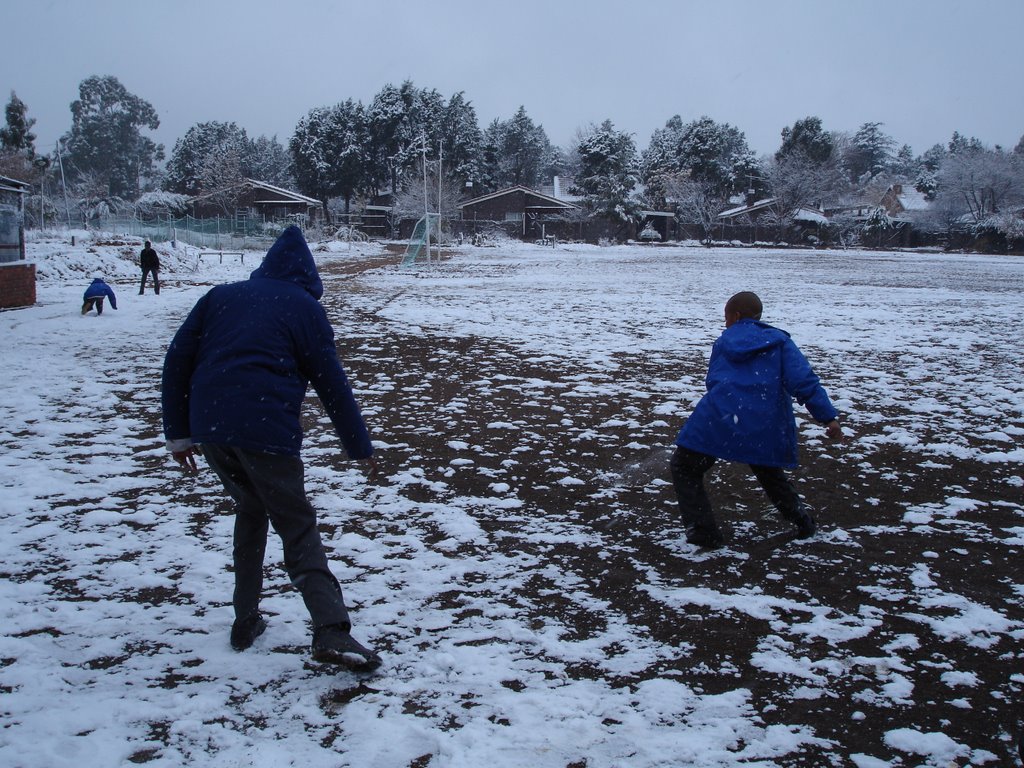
(17, 285)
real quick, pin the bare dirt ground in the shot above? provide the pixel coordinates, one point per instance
(861, 564)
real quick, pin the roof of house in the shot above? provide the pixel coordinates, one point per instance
(912, 200)
(13, 185)
(800, 213)
(554, 201)
(287, 196)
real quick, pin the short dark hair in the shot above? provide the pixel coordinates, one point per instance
(746, 304)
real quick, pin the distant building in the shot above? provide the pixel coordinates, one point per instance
(17, 277)
(902, 202)
(255, 198)
(524, 210)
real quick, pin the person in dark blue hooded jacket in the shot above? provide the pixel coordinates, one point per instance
(234, 379)
(746, 415)
(95, 293)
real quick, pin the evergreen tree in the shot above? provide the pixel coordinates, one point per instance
(106, 140)
(903, 163)
(313, 154)
(808, 138)
(462, 139)
(200, 147)
(608, 171)
(714, 154)
(269, 161)
(17, 135)
(348, 140)
(516, 152)
(399, 120)
(869, 153)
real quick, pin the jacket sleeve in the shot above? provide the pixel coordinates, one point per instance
(179, 363)
(318, 360)
(802, 382)
(110, 294)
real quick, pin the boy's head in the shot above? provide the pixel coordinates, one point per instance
(744, 304)
(147, 244)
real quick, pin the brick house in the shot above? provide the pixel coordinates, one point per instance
(17, 276)
(523, 211)
(901, 202)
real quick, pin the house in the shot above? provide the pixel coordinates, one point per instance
(524, 210)
(802, 214)
(902, 202)
(258, 199)
(17, 276)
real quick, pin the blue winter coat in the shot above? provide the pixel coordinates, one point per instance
(746, 414)
(99, 288)
(237, 370)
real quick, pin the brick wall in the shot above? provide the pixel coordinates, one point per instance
(17, 285)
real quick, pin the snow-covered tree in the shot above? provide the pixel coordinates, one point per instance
(410, 201)
(461, 139)
(985, 182)
(269, 161)
(708, 152)
(160, 203)
(696, 202)
(199, 149)
(222, 177)
(797, 180)
(312, 152)
(903, 164)
(515, 151)
(348, 139)
(809, 139)
(16, 135)
(106, 142)
(869, 152)
(608, 171)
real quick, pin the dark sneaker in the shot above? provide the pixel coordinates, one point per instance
(333, 645)
(704, 538)
(806, 527)
(245, 631)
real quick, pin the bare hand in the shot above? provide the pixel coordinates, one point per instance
(371, 467)
(834, 431)
(187, 458)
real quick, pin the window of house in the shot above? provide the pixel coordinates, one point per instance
(513, 216)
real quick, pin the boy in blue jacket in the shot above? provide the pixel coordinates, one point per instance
(234, 380)
(95, 293)
(746, 415)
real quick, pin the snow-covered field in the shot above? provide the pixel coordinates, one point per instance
(520, 565)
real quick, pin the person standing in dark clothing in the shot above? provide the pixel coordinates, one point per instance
(234, 380)
(150, 263)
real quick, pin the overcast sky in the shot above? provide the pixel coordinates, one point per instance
(924, 68)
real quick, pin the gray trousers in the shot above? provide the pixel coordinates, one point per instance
(688, 468)
(269, 488)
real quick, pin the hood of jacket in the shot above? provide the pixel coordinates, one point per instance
(748, 337)
(289, 259)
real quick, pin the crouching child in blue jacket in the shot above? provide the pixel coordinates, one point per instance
(95, 293)
(234, 380)
(746, 415)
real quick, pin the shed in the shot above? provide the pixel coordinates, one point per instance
(17, 276)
